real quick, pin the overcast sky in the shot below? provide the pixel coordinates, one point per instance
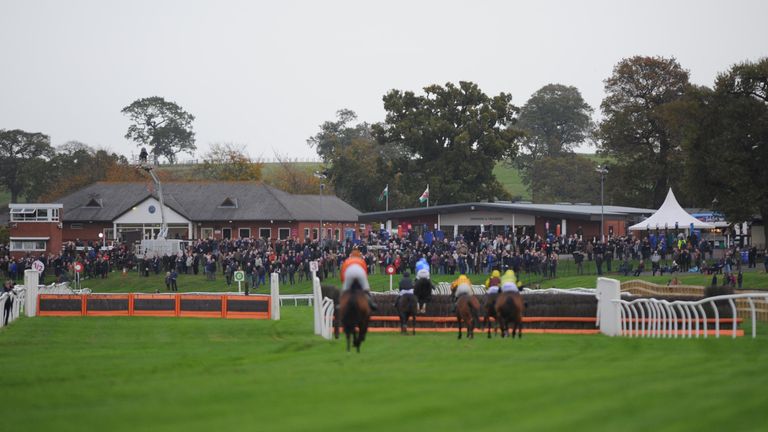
(266, 75)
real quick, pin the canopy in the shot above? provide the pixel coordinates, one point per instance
(669, 214)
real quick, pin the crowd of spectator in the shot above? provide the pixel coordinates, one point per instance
(472, 252)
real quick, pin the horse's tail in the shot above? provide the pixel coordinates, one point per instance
(474, 308)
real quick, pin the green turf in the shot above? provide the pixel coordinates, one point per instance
(186, 374)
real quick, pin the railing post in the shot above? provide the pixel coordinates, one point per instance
(318, 304)
(31, 279)
(609, 290)
(274, 293)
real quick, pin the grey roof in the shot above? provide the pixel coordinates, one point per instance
(200, 201)
(577, 211)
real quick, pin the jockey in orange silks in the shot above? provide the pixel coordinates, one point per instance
(353, 270)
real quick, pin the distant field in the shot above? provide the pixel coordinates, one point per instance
(191, 374)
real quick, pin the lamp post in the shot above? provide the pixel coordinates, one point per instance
(603, 170)
(101, 237)
(322, 176)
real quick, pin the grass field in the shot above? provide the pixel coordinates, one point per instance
(186, 374)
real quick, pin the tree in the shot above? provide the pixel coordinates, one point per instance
(20, 154)
(293, 178)
(454, 136)
(555, 119)
(566, 177)
(639, 130)
(76, 165)
(727, 145)
(162, 126)
(229, 162)
(356, 165)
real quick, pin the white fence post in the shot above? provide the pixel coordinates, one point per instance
(274, 292)
(608, 311)
(318, 304)
(31, 279)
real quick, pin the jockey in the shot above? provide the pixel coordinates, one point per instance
(492, 283)
(461, 286)
(406, 287)
(509, 282)
(422, 269)
(355, 269)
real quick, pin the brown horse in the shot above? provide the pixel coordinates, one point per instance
(355, 313)
(509, 310)
(467, 309)
(406, 308)
(489, 308)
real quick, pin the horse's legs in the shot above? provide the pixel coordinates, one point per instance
(347, 333)
(459, 322)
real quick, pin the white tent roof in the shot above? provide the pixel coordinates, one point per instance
(669, 214)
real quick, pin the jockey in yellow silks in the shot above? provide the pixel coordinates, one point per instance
(509, 282)
(461, 286)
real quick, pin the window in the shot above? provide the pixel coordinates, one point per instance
(206, 233)
(228, 203)
(244, 233)
(19, 214)
(109, 233)
(306, 233)
(283, 233)
(28, 245)
(76, 226)
(338, 234)
(314, 234)
(226, 233)
(94, 203)
(265, 233)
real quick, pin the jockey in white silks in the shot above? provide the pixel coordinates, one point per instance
(509, 282)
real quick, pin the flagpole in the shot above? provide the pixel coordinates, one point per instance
(427, 194)
(387, 189)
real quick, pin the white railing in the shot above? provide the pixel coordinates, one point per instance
(649, 317)
(444, 288)
(61, 288)
(296, 298)
(17, 299)
(326, 324)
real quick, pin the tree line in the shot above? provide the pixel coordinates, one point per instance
(658, 130)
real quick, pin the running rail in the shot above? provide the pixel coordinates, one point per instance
(649, 317)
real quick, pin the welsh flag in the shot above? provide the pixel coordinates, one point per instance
(384, 193)
(425, 196)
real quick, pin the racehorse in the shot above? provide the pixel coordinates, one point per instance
(423, 290)
(355, 313)
(509, 309)
(406, 307)
(489, 309)
(332, 293)
(467, 308)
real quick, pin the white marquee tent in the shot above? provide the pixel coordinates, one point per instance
(668, 215)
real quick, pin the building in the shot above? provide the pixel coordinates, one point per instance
(520, 218)
(193, 210)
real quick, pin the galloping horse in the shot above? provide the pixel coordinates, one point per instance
(406, 307)
(489, 309)
(355, 312)
(467, 307)
(509, 309)
(423, 290)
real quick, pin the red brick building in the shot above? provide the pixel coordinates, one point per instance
(193, 210)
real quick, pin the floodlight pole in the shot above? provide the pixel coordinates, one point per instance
(322, 176)
(603, 170)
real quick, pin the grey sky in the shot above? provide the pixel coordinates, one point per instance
(265, 75)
